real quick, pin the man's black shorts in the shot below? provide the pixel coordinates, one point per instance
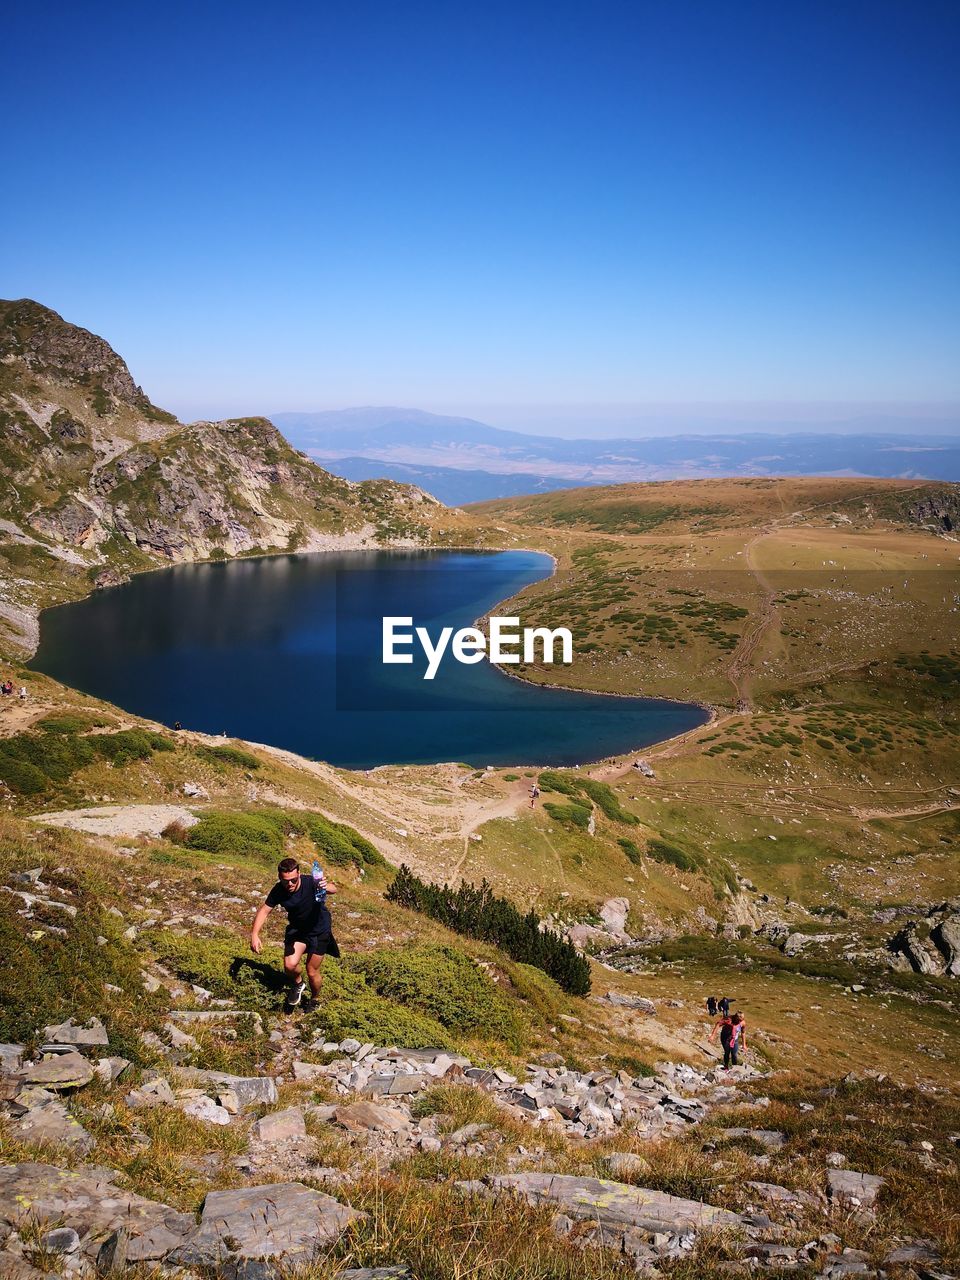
(317, 944)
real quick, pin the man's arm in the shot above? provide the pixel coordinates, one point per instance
(255, 944)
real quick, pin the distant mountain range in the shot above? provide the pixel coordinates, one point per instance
(460, 460)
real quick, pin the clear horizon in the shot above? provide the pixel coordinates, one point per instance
(550, 219)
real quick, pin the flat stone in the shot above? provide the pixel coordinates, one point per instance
(206, 1109)
(408, 1082)
(640, 1003)
(95, 1207)
(52, 1125)
(279, 1126)
(70, 1032)
(614, 1203)
(283, 1223)
(64, 1071)
(307, 1072)
(857, 1189)
(360, 1116)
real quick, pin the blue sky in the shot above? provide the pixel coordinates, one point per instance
(506, 210)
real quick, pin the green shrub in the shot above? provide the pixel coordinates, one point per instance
(21, 777)
(221, 961)
(444, 984)
(571, 784)
(251, 834)
(228, 755)
(661, 851)
(569, 815)
(474, 911)
(631, 850)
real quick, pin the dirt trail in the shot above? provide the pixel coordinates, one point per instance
(429, 824)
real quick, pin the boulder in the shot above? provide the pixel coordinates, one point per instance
(360, 1116)
(614, 914)
(11, 1058)
(947, 937)
(631, 1002)
(279, 1126)
(280, 1226)
(205, 1108)
(250, 1091)
(908, 943)
(614, 1203)
(625, 1164)
(92, 1032)
(87, 1200)
(59, 1071)
(858, 1190)
(52, 1125)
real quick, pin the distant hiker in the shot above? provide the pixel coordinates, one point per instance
(23, 693)
(6, 687)
(177, 726)
(733, 1038)
(724, 1006)
(712, 1006)
(534, 795)
(309, 930)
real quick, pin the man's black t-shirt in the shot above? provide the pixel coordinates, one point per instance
(304, 914)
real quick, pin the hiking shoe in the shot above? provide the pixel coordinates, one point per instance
(295, 995)
(309, 1005)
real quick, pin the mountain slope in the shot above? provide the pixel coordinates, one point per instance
(96, 481)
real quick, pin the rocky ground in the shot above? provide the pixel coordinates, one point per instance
(74, 1218)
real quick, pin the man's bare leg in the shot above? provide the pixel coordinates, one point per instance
(314, 976)
(291, 965)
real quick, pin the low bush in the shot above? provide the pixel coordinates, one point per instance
(228, 755)
(569, 815)
(571, 784)
(474, 911)
(447, 986)
(32, 763)
(250, 834)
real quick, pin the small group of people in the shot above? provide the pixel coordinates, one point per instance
(6, 688)
(731, 1028)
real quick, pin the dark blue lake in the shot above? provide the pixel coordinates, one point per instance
(287, 650)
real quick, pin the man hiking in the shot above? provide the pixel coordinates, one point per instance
(309, 930)
(733, 1038)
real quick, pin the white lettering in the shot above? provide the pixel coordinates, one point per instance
(499, 637)
(391, 639)
(434, 652)
(549, 638)
(469, 645)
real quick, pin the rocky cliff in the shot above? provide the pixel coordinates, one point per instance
(96, 481)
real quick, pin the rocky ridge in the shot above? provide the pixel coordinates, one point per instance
(96, 481)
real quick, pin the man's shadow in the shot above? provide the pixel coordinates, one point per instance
(267, 975)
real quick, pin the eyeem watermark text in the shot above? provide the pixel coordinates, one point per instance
(505, 644)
